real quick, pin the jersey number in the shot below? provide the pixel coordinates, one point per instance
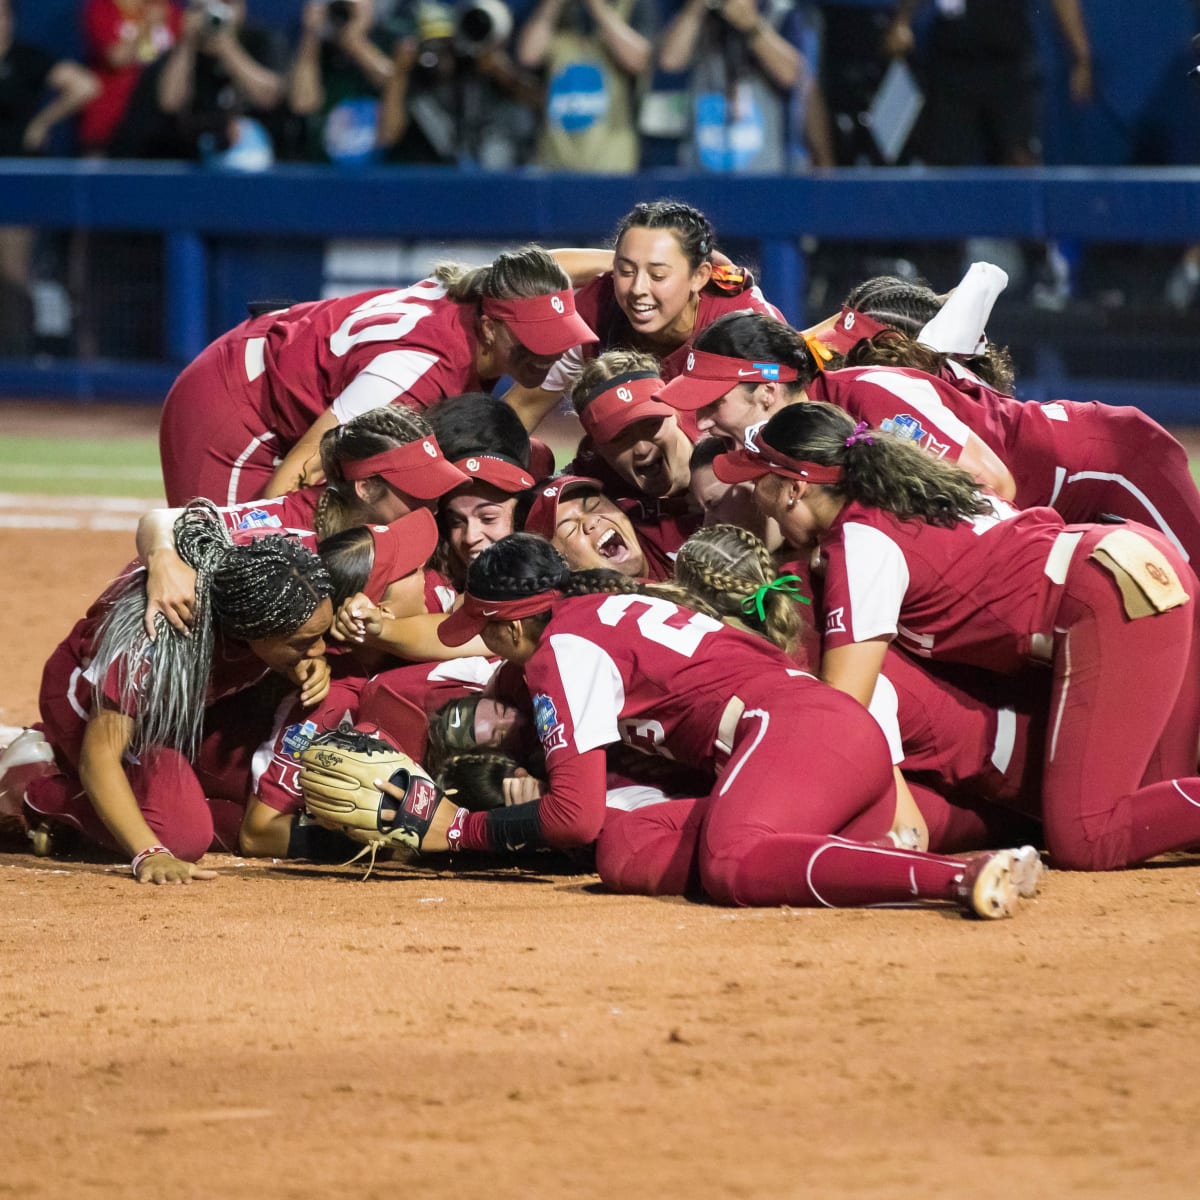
(402, 305)
(652, 621)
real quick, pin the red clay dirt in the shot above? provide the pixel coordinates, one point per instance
(291, 1031)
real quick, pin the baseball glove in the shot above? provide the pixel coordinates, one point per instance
(338, 771)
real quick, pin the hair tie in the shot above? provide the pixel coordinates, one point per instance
(862, 433)
(788, 584)
(821, 353)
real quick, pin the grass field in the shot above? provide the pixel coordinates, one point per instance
(121, 466)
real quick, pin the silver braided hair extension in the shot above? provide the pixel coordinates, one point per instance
(269, 586)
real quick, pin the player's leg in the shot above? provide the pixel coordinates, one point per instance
(651, 851)
(799, 774)
(1117, 684)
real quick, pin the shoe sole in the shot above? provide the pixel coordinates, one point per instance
(994, 894)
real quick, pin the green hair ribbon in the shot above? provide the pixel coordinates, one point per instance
(788, 584)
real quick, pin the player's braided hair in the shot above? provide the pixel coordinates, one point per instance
(606, 366)
(268, 587)
(881, 470)
(760, 338)
(691, 227)
(524, 564)
(725, 565)
(530, 271)
(908, 306)
(373, 432)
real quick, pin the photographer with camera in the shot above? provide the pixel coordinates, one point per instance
(342, 65)
(594, 55)
(752, 93)
(217, 92)
(456, 96)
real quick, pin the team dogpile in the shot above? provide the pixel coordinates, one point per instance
(813, 618)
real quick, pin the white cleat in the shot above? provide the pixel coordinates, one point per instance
(26, 758)
(1027, 871)
(988, 887)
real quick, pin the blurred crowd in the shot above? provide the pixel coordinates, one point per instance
(618, 86)
(610, 85)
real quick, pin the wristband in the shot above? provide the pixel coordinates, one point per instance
(455, 832)
(141, 856)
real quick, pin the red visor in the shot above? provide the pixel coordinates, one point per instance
(850, 329)
(398, 719)
(621, 401)
(543, 513)
(401, 548)
(500, 472)
(416, 469)
(547, 325)
(759, 459)
(466, 622)
(707, 377)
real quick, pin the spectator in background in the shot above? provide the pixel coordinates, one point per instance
(749, 83)
(214, 96)
(455, 95)
(122, 38)
(36, 93)
(342, 65)
(982, 77)
(593, 55)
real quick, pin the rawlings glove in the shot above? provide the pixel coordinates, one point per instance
(338, 771)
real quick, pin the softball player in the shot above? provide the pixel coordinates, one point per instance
(124, 714)
(273, 385)
(625, 666)
(663, 288)
(916, 554)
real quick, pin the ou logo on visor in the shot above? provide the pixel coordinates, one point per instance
(430, 449)
(557, 304)
(750, 438)
(691, 362)
(623, 393)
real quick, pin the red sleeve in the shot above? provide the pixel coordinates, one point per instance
(571, 813)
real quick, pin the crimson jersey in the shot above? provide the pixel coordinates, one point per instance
(596, 303)
(647, 672)
(364, 351)
(293, 514)
(980, 592)
(901, 401)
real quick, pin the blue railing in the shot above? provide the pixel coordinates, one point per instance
(199, 212)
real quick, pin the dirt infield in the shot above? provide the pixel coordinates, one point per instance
(290, 1031)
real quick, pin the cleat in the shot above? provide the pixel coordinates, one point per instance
(26, 758)
(1027, 871)
(987, 888)
(41, 839)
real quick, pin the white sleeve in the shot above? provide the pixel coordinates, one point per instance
(958, 326)
(593, 690)
(563, 374)
(876, 579)
(386, 378)
(885, 708)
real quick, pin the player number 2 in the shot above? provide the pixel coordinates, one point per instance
(653, 615)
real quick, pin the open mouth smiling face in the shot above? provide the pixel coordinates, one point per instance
(594, 532)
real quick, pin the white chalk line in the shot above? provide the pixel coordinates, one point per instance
(98, 514)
